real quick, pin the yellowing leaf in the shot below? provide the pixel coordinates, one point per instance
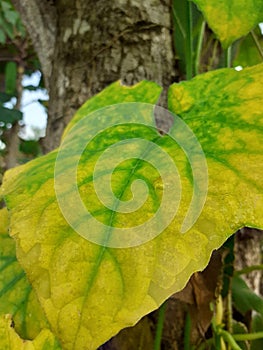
(224, 109)
(9, 339)
(90, 291)
(142, 92)
(4, 221)
(233, 19)
(16, 295)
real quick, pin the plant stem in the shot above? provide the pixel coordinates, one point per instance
(187, 332)
(230, 340)
(199, 47)
(229, 312)
(159, 329)
(206, 344)
(255, 38)
(249, 336)
(248, 269)
(189, 42)
(228, 58)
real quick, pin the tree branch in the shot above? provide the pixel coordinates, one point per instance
(39, 18)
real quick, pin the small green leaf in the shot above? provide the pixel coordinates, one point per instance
(5, 97)
(10, 115)
(10, 78)
(30, 147)
(6, 6)
(240, 328)
(11, 17)
(244, 298)
(230, 20)
(9, 30)
(16, 295)
(247, 53)
(21, 29)
(9, 12)
(2, 36)
(257, 326)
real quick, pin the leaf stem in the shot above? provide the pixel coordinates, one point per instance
(255, 38)
(228, 57)
(159, 329)
(189, 42)
(199, 47)
(248, 336)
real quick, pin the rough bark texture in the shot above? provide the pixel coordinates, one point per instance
(248, 253)
(39, 18)
(86, 45)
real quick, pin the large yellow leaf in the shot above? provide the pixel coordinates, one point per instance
(90, 291)
(10, 340)
(231, 19)
(16, 295)
(224, 108)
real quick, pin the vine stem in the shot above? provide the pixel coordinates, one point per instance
(229, 339)
(248, 336)
(229, 312)
(256, 41)
(159, 329)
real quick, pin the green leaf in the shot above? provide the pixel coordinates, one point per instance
(10, 115)
(11, 17)
(9, 339)
(247, 53)
(240, 328)
(2, 36)
(30, 147)
(230, 20)
(6, 6)
(257, 326)
(244, 298)
(10, 78)
(182, 28)
(9, 12)
(16, 295)
(90, 291)
(5, 97)
(21, 29)
(9, 29)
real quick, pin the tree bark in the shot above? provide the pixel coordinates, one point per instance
(83, 46)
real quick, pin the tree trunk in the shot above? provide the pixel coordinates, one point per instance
(86, 45)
